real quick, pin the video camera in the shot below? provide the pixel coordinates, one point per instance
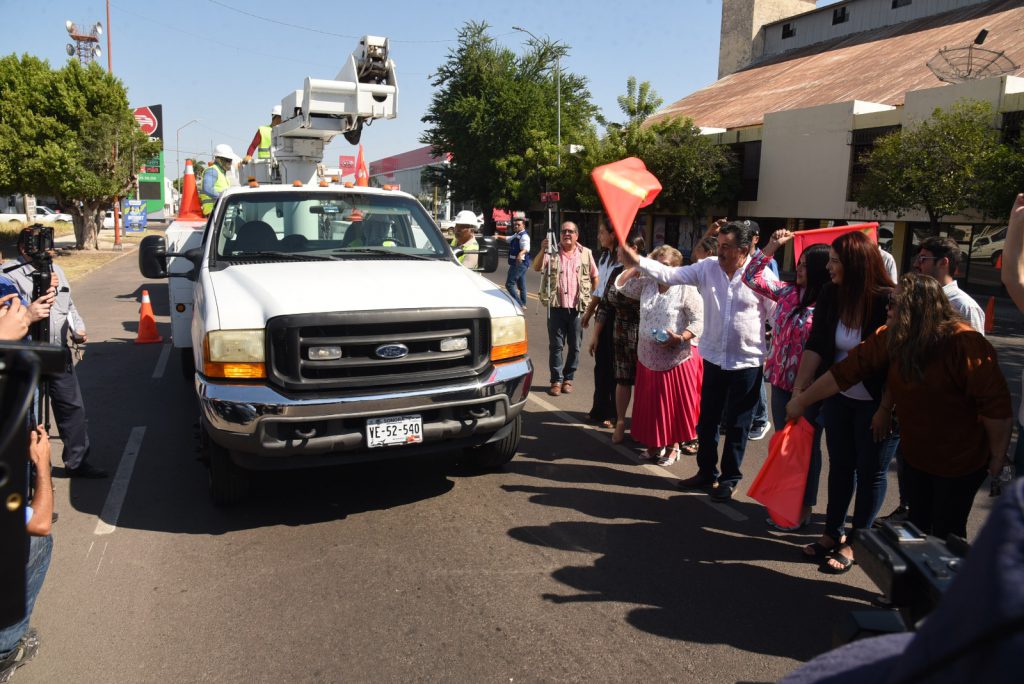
(23, 365)
(37, 243)
(912, 569)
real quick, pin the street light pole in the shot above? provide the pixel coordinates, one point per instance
(177, 147)
(558, 89)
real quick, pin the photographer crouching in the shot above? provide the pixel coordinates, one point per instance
(44, 284)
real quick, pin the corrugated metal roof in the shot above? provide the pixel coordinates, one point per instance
(875, 66)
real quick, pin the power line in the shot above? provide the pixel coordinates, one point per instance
(308, 28)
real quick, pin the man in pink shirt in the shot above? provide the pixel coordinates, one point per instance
(570, 276)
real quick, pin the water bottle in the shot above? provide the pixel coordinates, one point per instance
(1001, 481)
(659, 335)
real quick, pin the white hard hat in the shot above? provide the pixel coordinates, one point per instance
(276, 111)
(225, 151)
(466, 218)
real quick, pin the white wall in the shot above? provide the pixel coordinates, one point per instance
(805, 161)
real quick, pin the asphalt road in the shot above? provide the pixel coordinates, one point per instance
(573, 563)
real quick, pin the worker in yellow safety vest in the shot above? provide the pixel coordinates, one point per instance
(466, 224)
(216, 178)
(261, 141)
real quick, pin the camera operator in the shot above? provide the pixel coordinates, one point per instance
(64, 321)
(18, 643)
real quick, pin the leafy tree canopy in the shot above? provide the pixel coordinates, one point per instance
(945, 165)
(59, 130)
(496, 113)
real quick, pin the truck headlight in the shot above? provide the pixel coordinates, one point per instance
(508, 337)
(235, 354)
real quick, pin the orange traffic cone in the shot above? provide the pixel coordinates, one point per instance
(147, 323)
(189, 209)
(990, 315)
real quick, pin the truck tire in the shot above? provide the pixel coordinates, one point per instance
(496, 454)
(188, 365)
(229, 483)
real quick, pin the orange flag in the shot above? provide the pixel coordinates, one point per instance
(625, 187)
(824, 236)
(362, 174)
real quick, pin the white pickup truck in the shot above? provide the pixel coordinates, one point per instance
(43, 215)
(329, 324)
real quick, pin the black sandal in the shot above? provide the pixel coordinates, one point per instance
(844, 562)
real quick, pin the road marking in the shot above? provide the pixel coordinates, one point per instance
(161, 363)
(107, 524)
(601, 437)
(102, 556)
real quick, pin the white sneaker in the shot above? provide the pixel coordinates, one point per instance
(758, 431)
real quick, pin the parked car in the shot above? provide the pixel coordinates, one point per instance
(108, 219)
(47, 215)
(988, 247)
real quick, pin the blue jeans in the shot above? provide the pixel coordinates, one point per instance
(39, 552)
(515, 283)
(564, 326)
(761, 410)
(727, 397)
(780, 398)
(856, 461)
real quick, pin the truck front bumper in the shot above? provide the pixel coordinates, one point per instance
(264, 428)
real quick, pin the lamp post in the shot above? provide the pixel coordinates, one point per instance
(177, 147)
(558, 90)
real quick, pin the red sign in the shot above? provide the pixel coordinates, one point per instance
(146, 119)
(550, 197)
(824, 236)
(347, 164)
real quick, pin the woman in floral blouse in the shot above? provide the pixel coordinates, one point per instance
(791, 326)
(669, 371)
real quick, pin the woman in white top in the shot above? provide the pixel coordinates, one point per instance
(669, 371)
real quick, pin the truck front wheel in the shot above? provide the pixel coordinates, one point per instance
(493, 455)
(229, 483)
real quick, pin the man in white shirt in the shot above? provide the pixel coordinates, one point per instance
(733, 347)
(939, 258)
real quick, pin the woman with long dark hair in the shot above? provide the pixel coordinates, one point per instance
(602, 410)
(624, 339)
(791, 326)
(849, 309)
(949, 394)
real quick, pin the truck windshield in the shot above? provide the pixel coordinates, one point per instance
(308, 226)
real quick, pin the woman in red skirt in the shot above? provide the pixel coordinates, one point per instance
(669, 372)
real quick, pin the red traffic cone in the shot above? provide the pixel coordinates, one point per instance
(189, 209)
(990, 315)
(147, 322)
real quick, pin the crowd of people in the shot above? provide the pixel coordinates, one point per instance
(874, 362)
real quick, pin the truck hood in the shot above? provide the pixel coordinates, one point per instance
(250, 294)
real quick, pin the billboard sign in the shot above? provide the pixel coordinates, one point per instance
(135, 216)
(151, 171)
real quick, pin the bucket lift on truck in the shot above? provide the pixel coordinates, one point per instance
(365, 89)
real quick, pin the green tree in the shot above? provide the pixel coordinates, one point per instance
(944, 165)
(496, 114)
(59, 130)
(639, 103)
(695, 172)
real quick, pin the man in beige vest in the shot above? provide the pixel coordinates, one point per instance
(570, 276)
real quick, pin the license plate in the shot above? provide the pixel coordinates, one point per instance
(394, 430)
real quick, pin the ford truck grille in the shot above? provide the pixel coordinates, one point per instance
(364, 337)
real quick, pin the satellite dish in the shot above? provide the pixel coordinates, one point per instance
(98, 29)
(70, 49)
(970, 62)
(96, 52)
(70, 26)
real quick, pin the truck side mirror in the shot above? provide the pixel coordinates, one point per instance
(153, 256)
(488, 253)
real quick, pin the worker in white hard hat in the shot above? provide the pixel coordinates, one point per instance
(261, 141)
(465, 237)
(217, 177)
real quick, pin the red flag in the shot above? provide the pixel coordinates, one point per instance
(362, 174)
(824, 236)
(625, 187)
(347, 164)
(781, 481)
